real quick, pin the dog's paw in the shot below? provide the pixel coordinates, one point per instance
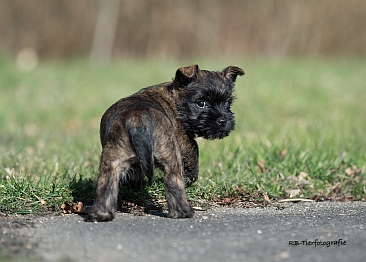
(99, 216)
(184, 212)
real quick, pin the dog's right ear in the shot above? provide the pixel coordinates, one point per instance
(185, 75)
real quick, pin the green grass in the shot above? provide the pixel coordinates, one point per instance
(300, 126)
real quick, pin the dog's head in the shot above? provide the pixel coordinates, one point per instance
(204, 100)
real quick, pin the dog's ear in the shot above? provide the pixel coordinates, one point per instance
(186, 75)
(232, 72)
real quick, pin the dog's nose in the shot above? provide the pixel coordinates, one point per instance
(221, 121)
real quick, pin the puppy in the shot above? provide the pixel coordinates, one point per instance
(157, 127)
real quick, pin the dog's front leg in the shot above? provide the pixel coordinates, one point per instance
(178, 204)
(170, 161)
(190, 162)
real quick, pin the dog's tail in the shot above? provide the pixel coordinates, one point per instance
(140, 134)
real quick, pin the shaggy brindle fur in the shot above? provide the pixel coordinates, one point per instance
(157, 127)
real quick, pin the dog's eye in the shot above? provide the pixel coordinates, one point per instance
(201, 104)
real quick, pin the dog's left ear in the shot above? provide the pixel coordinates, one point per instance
(232, 72)
(186, 75)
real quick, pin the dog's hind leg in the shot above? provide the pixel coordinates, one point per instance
(105, 203)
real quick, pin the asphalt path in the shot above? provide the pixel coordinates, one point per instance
(281, 232)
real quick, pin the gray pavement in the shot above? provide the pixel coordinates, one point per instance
(282, 232)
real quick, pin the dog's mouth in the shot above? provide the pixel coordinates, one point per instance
(217, 130)
(216, 136)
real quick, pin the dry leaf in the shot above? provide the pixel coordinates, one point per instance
(336, 185)
(303, 175)
(283, 153)
(43, 202)
(293, 192)
(78, 208)
(65, 208)
(262, 165)
(356, 170)
(10, 172)
(349, 172)
(266, 198)
(69, 207)
(226, 200)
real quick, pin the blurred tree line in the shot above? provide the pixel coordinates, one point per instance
(172, 28)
